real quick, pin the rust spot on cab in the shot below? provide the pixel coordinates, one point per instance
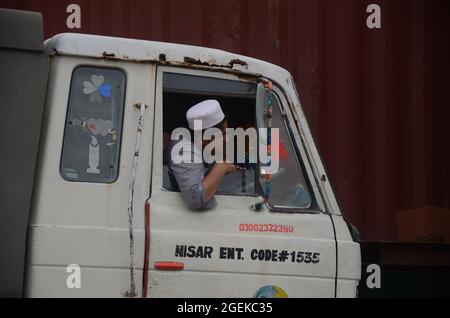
(239, 62)
(107, 55)
(190, 60)
(56, 52)
(211, 63)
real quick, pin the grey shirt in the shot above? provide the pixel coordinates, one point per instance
(190, 175)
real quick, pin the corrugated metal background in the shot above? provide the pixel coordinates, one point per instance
(377, 100)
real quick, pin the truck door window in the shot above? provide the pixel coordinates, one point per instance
(237, 99)
(289, 189)
(93, 128)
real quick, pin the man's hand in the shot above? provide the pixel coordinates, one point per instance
(230, 168)
(215, 176)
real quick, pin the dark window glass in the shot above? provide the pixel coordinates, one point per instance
(199, 85)
(93, 127)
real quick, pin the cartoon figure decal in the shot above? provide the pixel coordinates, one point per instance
(96, 127)
(97, 89)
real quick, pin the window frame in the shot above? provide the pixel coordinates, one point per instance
(122, 120)
(317, 205)
(158, 162)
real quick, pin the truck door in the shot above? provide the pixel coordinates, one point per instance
(287, 249)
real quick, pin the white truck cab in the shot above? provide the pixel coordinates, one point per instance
(104, 205)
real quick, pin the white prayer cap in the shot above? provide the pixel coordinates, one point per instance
(209, 112)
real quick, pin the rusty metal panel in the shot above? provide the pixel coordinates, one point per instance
(376, 100)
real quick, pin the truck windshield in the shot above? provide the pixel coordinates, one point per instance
(289, 189)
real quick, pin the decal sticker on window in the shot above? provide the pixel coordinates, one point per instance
(96, 88)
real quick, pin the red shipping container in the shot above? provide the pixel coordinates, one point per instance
(428, 224)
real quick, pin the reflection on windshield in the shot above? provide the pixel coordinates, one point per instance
(288, 186)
